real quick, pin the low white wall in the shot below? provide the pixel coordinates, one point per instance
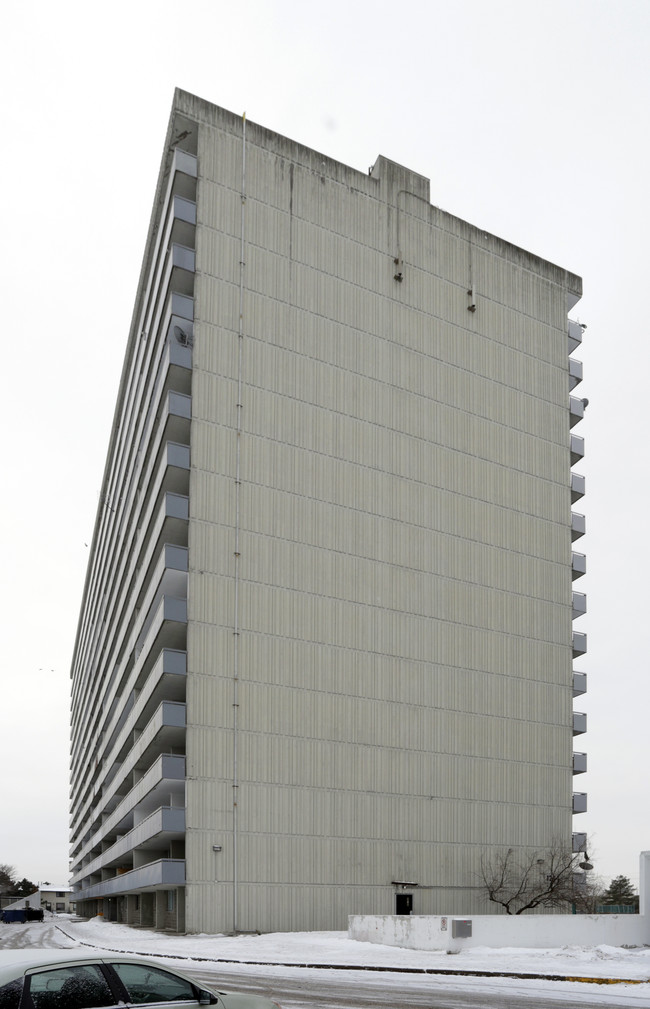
(533, 931)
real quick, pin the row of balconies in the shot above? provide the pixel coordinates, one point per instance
(135, 837)
(577, 408)
(173, 421)
(161, 785)
(153, 833)
(165, 681)
(127, 744)
(165, 578)
(173, 272)
(164, 733)
(151, 612)
(172, 476)
(164, 873)
(169, 410)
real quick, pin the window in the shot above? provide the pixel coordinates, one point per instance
(151, 984)
(170, 900)
(10, 994)
(70, 988)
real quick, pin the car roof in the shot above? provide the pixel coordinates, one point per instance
(16, 962)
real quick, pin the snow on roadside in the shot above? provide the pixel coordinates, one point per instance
(335, 948)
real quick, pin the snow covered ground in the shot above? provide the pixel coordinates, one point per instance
(290, 953)
(334, 948)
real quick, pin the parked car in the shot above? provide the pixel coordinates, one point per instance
(71, 979)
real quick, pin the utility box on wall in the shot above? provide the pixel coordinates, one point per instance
(461, 928)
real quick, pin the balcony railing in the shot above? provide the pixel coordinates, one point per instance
(577, 448)
(185, 163)
(578, 525)
(579, 763)
(577, 487)
(578, 842)
(162, 874)
(165, 824)
(579, 802)
(579, 723)
(579, 604)
(579, 684)
(165, 778)
(576, 410)
(165, 680)
(575, 334)
(579, 642)
(578, 565)
(575, 373)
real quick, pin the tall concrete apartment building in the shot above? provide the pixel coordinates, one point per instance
(324, 659)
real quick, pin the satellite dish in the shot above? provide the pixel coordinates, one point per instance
(182, 337)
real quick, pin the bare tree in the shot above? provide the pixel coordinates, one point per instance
(7, 873)
(552, 878)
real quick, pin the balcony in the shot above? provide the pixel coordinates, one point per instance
(578, 525)
(163, 783)
(578, 842)
(579, 763)
(147, 688)
(162, 875)
(155, 831)
(161, 573)
(164, 523)
(577, 448)
(575, 373)
(575, 334)
(147, 738)
(579, 643)
(579, 723)
(579, 604)
(178, 228)
(577, 487)
(578, 565)
(184, 163)
(181, 305)
(579, 802)
(174, 418)
(576, 410)
(579, 684)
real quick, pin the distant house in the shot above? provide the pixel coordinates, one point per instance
(57, 899)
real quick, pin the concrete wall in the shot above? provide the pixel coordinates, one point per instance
(533, 931)
(497, 930)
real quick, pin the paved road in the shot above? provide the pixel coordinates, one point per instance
(303, 988)
(319, 989)
(41, 935)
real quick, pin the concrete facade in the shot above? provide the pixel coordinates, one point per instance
(326, 637)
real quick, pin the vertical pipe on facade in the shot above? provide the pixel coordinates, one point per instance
(235, 699)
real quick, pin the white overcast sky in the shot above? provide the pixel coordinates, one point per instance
(531, 120)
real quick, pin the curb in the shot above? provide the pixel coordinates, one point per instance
(518, 976)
